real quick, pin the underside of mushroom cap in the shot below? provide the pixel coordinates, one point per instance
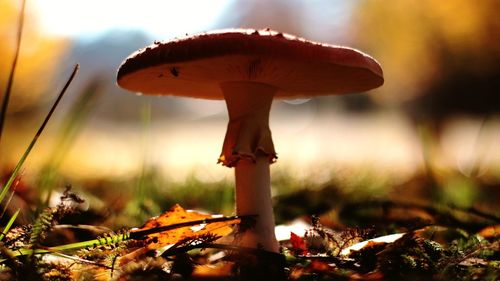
(194, 66)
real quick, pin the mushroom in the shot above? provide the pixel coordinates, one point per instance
(248, 69)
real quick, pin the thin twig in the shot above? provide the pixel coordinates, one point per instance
(6, 96)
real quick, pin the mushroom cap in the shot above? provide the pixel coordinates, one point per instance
(194, 66)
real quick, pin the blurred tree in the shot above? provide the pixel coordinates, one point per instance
(441, 60)
(444, 56)
(37, 59)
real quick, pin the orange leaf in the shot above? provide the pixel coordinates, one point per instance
(490, 231)
(213, 270)
(376, 275)
(298, 244)
(177, 215)
(319, 266)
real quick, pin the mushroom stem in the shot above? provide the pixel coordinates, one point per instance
(249, 148)
(253, 197)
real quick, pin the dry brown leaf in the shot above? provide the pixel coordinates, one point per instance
(177, 215)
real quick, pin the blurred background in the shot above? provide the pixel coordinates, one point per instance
(431, 133)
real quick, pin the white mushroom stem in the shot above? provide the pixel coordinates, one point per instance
(249, 148)
(253, 197)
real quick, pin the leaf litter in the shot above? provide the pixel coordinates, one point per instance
(182, 244)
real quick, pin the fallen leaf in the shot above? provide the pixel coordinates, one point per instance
(319, 266)
(371, 242)
(213, 270)
(490, 231)
(298, 244)
(376, 275)
(179, 216)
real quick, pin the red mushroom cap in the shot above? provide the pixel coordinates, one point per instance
(194, 66)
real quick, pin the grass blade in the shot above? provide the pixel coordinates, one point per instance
(72, 125)
(116, 238)
(6, 204)
(9, 224)
(75, 120)
(73, 246)
(10, 81)
(37, 135)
